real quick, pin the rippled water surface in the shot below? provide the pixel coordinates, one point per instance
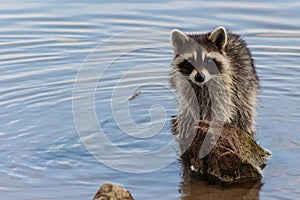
(49, 135)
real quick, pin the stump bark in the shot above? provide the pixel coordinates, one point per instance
(232, 156)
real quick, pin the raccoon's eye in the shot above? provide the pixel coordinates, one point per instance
(186, 67)
(209, 62)
(189, 60)
(211, 66)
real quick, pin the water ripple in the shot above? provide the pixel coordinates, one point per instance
(43, 45)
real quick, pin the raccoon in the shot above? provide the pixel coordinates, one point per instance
(214, 77)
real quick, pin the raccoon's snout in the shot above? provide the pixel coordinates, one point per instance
(199, 77)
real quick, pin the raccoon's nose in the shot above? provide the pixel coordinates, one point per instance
(199, 77)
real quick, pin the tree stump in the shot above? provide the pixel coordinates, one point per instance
(235, 156)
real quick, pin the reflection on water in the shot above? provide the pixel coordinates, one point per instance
(194, 189)
(43, 45)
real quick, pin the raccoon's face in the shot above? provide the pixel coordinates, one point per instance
(195, 61)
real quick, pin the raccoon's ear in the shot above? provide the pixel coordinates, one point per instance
(178, 39)
(219, 37)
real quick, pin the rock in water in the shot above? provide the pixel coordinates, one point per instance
(112, 192)
(232, 155)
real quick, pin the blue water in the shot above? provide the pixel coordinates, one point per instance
(123, 48)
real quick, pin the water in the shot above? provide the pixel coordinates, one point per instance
(43, 46)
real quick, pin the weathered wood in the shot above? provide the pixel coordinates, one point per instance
(235, 156)
(110, 191)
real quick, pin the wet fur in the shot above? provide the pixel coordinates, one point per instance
(234, 95)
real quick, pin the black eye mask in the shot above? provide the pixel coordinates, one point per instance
(186, 67)
(212, 66)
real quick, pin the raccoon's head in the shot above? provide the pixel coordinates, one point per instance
(199, 58)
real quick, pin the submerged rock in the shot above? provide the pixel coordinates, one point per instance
(110, 191)
(232, 156)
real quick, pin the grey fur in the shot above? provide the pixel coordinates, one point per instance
(228, 96)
